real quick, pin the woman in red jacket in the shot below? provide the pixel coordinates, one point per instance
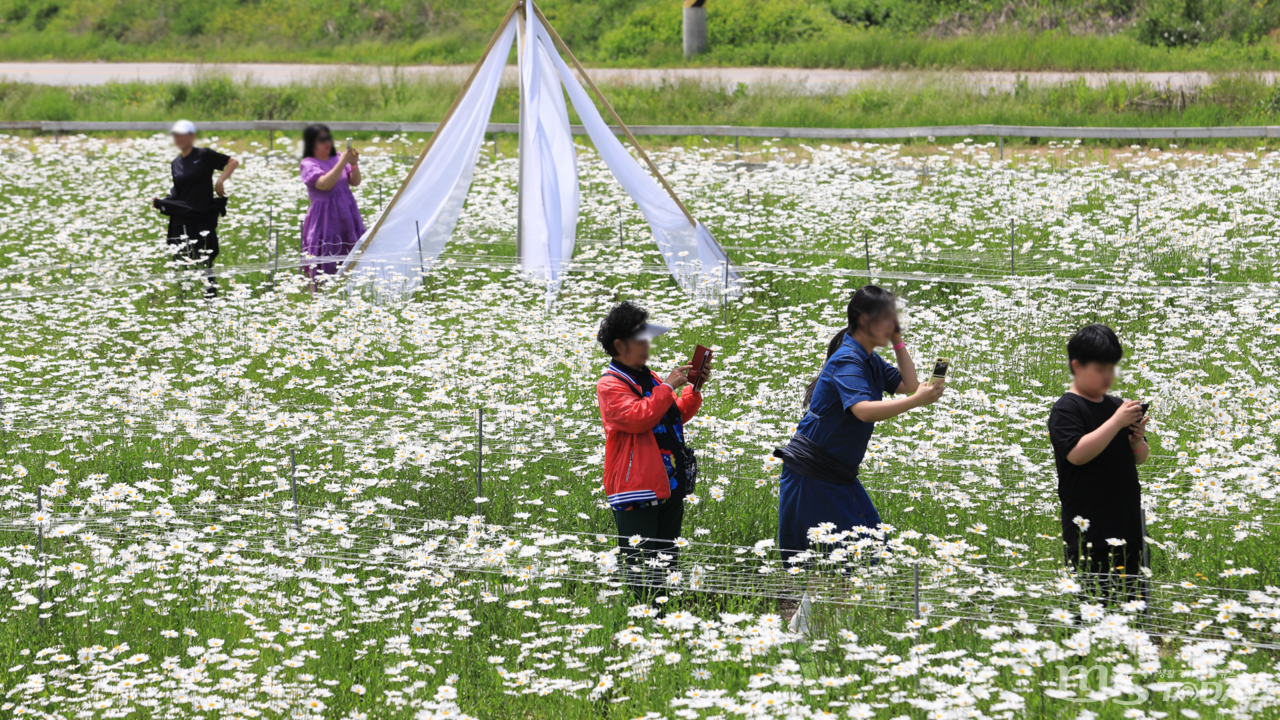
(648, 470)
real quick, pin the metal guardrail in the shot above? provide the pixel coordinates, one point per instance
(1036, 131)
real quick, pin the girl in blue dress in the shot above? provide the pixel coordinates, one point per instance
(819, 481)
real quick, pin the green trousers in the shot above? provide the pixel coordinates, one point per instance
(658, 526)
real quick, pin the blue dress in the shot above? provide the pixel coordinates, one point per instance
(851, 375)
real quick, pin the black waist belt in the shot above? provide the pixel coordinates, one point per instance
(812, 460)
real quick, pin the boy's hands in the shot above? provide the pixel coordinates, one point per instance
(1138, 433)
(1128, 414)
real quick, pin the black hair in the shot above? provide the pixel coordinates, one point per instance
(831, 350)
(1095, 343)
(620, 324)
(868, 301)
(310, 136)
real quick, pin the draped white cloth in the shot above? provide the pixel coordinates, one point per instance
(549, 163)
(431, 199)
(694, 257)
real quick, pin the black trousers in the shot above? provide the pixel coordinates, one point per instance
(659, 526)
(200, 245)
(1110, 574)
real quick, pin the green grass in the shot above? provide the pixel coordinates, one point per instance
(930, 100)
(969, 472)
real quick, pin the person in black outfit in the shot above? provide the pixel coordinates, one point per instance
(1098, 443)
(192, 208)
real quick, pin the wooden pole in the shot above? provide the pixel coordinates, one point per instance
(555, 37)
(520, 59)
(448, 114)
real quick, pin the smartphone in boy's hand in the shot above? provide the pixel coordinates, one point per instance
(1129, 413)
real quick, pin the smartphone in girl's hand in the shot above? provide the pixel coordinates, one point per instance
(939, 370)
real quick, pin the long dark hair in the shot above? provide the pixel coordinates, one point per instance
(869, 301)
(310, 136)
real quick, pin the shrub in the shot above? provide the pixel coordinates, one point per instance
(1173, 23)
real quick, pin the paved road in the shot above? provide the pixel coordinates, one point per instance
(62, 73)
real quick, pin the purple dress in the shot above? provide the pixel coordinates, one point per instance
(333, 224)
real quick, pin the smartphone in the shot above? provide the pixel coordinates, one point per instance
(348, 143)
(701, 359)
(939, 370)
(1145, 407)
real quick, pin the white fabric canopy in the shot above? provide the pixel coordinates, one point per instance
(431, 198)
(692, 254)
(549, 163)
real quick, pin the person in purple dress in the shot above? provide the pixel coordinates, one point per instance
(333, 224)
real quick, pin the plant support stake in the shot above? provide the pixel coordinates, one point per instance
(422, 268)
(276, 263)
(916, 568)
(480, 452)
(40, 547)
(293, 484)
(866, 243)
(1011, 246)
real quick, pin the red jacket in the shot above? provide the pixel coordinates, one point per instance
(633, 467)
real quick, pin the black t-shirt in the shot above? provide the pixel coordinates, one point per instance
(193, 181)
(1105, 490)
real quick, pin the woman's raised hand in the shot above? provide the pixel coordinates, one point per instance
(929, 393)
(679, 376)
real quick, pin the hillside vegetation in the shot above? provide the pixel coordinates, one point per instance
(1066, 34)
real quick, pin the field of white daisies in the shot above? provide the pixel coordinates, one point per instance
(280, 503)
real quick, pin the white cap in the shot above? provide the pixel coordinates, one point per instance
(183, 127)
(648, 331)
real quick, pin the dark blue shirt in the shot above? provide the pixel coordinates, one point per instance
(851, 375)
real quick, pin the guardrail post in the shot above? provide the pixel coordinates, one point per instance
(480, 451)
(1002, 147)
(694, 28)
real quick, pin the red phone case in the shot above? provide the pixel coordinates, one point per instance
(701, 356)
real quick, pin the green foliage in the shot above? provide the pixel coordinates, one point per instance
(979, 34)
(1173, 23)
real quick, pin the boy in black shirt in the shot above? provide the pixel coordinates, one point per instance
(1098, 443)
(191, 206)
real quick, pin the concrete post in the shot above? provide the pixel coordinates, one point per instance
(695, 28)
